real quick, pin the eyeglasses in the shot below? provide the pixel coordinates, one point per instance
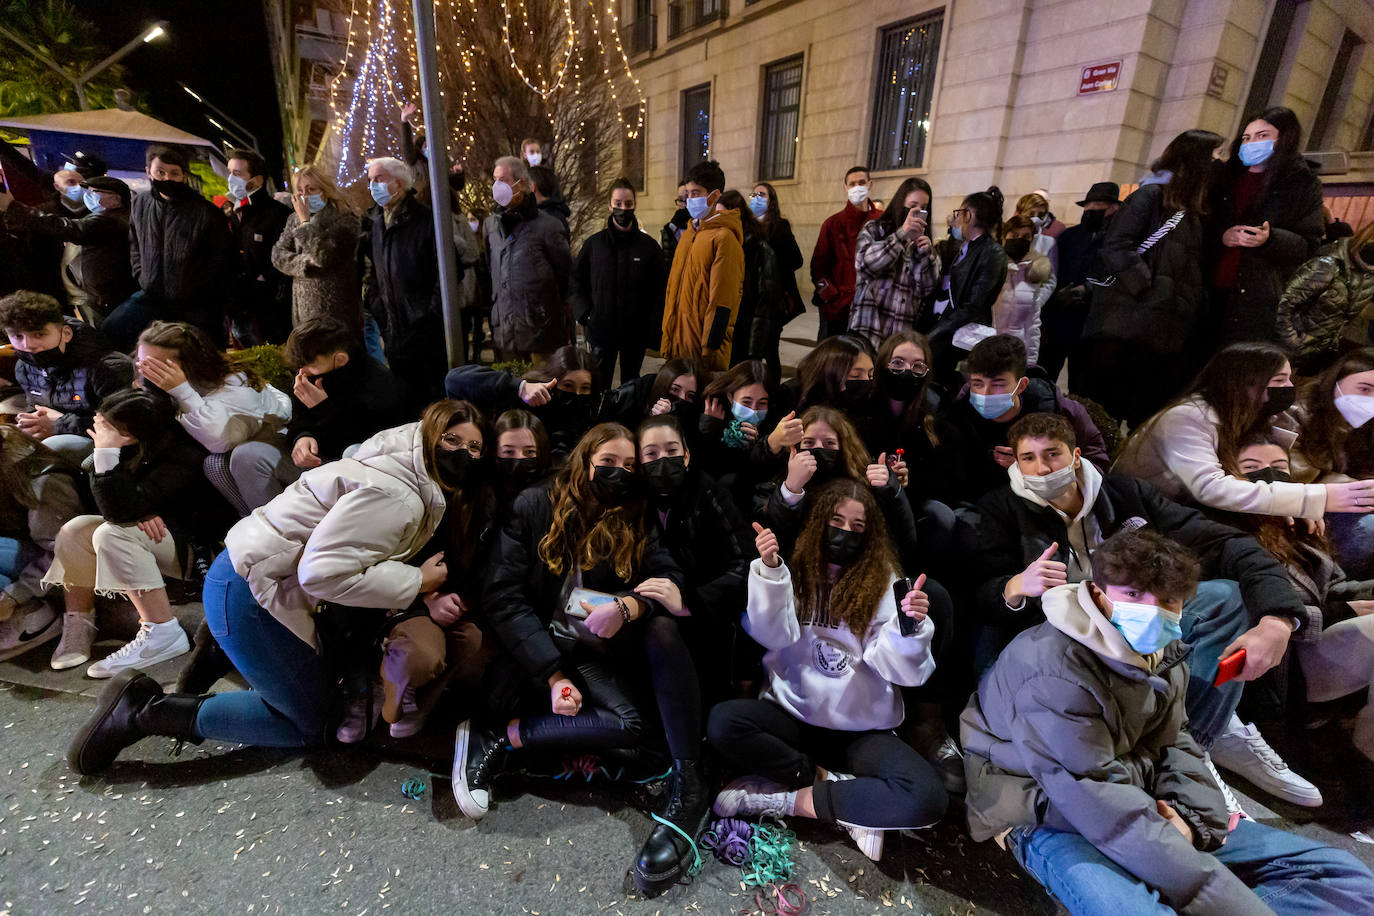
(456, 442)
(955, 214)
(680, 203)
(897, 364)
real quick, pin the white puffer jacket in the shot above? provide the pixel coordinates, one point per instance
(342, 533)
(1017, 309)
(232, 414)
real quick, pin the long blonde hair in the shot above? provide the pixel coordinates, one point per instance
(616, 533)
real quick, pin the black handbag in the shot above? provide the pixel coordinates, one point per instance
(1124, 310)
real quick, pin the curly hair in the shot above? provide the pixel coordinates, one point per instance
(617, 532)
(1147, 561)
(28, 311)
(852, 451)
(206, 365)
(852, 599)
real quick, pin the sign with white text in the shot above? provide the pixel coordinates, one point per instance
(1099, 77)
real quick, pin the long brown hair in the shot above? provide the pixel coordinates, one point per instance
(470, 507)
(206, 365)
(439, 418)
(21, 460)
(741, 375)
(1327, 441)
(852, 599)
(915, 412)
(1274, 533)
(852, 450)
(823, 371)
(1189, 158)
(616, 533)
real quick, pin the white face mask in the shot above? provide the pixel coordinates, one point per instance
(502, 193)
(1052, 485)
(533, 158)
(1358, 409)
(857, 195)
(473, 224)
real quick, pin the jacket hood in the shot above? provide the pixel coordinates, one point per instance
(1360, 259)
(1089, 483)
(1071, 610)
(400, 452)
(724, 221)
(558, 207)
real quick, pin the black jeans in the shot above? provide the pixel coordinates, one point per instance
(894, 788)
(829, 328)
(631, 360)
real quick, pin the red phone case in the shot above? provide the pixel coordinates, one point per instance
(1229, 667)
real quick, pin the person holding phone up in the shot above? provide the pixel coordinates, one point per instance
(896, 265)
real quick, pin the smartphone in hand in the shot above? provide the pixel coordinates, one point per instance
(1229, 667)
(899, 590)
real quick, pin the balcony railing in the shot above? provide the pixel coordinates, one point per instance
(685, 15)
(640, 36)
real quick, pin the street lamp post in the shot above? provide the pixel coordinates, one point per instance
(243, 131)
(152, 33)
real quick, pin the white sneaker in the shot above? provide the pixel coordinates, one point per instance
(31, 625)
(1242, 750)
(78, 632)
(155, 642)
(869, 840)
(1232, 803)
(752, 796)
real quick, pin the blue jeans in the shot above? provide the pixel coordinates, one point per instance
(291, 703)
(1353, 537)
(1212, 620)
(372, 339)
(1289, 873)
(71, 447)
(14, 556)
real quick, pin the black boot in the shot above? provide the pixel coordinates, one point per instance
(132, 707)
(206, 664)
(667, 855)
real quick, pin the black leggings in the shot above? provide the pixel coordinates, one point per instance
(894, 788)
(610, 684)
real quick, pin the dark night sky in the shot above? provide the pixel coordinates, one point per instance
(217, 48)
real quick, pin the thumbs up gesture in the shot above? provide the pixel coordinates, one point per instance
(801, 467)
(916, 604)
(786, 434)
(537, 394)
(767, 544)
(1043, 574)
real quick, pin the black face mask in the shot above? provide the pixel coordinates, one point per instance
(613, 486)
(1269, 475)
(1093, 220)
(518, 472)
(856, 391)
(827, 462)
(457, 468)
(43, 359)
(666, 475)
(1280, 399)
(901, 385)
(574, 406)
(680, 406)
(171, 189)
(1017, 249)
(842, 546)
(623, 218)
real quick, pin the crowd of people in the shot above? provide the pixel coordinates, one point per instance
(916, 568)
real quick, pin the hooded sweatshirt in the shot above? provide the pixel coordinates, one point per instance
(825, 675)
(232, 414)
(1084, 534)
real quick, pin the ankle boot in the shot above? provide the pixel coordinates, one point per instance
(667, 854)
(131, 707)
(206, 664)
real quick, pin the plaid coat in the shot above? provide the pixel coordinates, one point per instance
(894, 280)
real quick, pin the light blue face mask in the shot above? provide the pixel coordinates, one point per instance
(238, 187)
(1147, 627)
(73, 193)
(957, 233)
(314, 203)
(758, 206)
(380, 192)
(1256, 151)
(747, 414)
(992, 406)
(697, 207)
(92, 201)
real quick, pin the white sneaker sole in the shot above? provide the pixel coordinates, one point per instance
(63, 662)
(178, 648)
(467, 802)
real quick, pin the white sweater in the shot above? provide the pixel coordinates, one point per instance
(827, 676)
(232, 414)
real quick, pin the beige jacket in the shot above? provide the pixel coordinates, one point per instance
(342, 533)
(1177, 452)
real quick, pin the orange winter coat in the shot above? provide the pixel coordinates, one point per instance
(704, 290)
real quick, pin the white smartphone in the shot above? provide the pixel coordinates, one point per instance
(579, 595)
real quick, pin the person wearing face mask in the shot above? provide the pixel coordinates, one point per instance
(837, 372)
(317, 250)
(617, 289)
(523, 455)
(706, 281)
(261, 311)
(839, 648)
(532, 151)
(675, 389)
(763, 298)
(1035, 207)
(1050, 224)
(1083, 760)
(832, 261)
(1328, 307)
(65, 368)
(531, 267)
(585, 598)
(1017, 309)
(896, 266)
(1066, 310)
(401, 284)
(95, 267)
(183, 255)
(744, 433)
(1266, 220)
(973, 270)
(1045, 527)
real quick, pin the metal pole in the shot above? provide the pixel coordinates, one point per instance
(243, 131)
(437, 155)
(141, 39)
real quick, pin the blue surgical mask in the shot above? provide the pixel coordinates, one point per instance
(92, 201)
(314, 203)
(238, 187)
(747, 414)
(380, 192)
(1147, 627)
(73, 193)
(697, 207)
(992, 406)
(1256, 151)
(758, 206)
(957, 232)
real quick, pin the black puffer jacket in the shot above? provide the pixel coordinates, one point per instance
(104, 241)
(401, 286)
(88, 373)
(522, 594)
(180, 249)
(617, 288)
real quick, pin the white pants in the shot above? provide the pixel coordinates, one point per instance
(1339, 664)
(113, 559)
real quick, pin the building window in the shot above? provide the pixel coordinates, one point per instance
(685, 15)
(901, 98)
(781, 120)
(1271, 56)
(1326, 125)
(696, 125)
(632, 149)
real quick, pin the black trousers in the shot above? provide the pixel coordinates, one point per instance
(894, 787)
(631, 358)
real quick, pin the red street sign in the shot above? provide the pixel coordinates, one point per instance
(1099, 77)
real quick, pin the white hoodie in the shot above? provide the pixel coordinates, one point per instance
(827, 676)
(232, 414)
(1070, 609)
(1084, 535)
